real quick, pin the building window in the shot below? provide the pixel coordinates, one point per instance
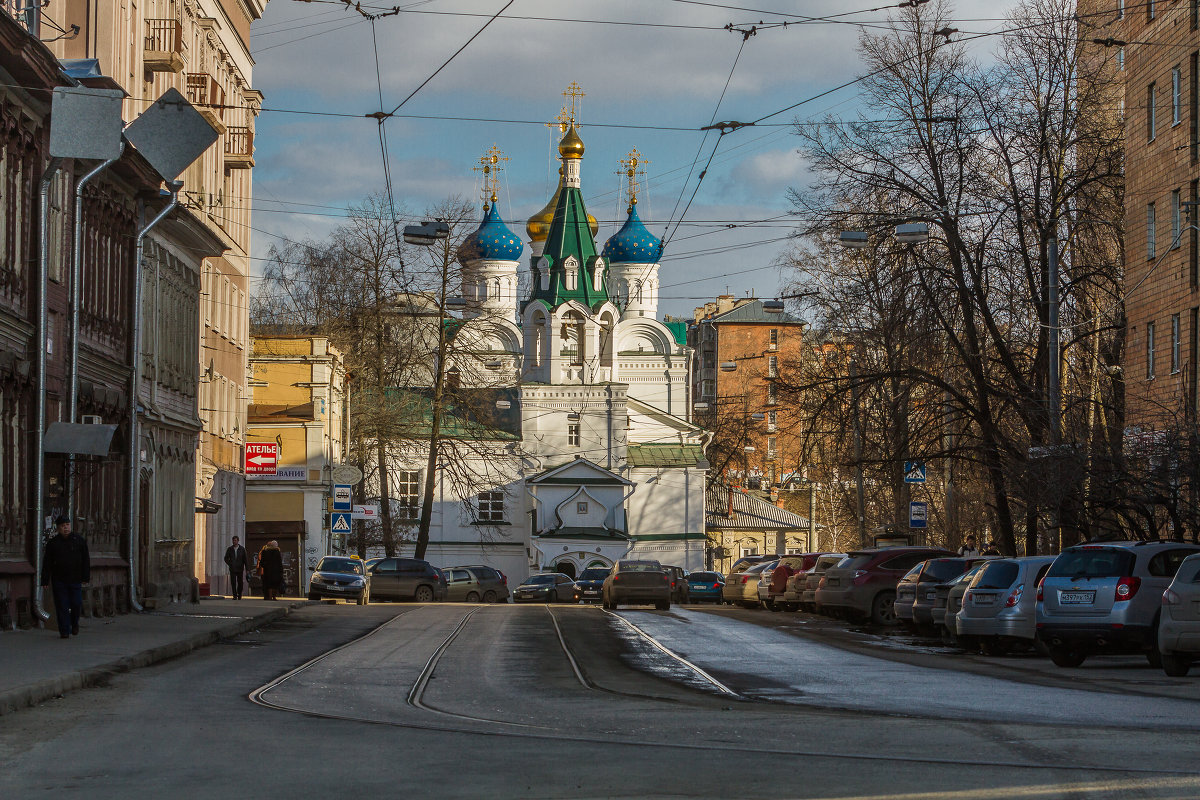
(1121, 59)
(1120, 9)
(772, 394)
(1175, 343)
(1149, 350)
(774, 338)
(772, 366)
(491, 506)
(408, 494)
(1150, 120)
(1151, 11)
(573, 434)
(1150, 220)
(707, 388)
(771, 448)
(772, 422)
(1176, 96)
(749, 551)
(1176, 220)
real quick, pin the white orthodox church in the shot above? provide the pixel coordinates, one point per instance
(607, 464)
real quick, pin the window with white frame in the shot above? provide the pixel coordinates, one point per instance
(1176, 96)
(774, 338)
(1121, 59)
(1150, 115)
(772, 394)
(1150, 233)
(772, 420)
(408, 494)
(772, 366)
(573, 438)
(771, 452)
(708, 387)
(491, 506)
(1151, 11)
(1175, 343)
(1149, 350)
(1120, 9)
(749, 551)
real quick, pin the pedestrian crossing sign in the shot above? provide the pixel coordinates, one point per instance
(914, 471)
(340, 522)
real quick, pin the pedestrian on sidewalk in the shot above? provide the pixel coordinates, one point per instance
(992, 549)
(968, 549)
(238, 563)
(66, 566)
(270, 569)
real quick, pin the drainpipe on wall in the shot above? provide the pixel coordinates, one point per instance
(39, 434)
(76, 288)
(136, 338)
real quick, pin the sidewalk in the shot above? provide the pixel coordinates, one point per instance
(36, 665)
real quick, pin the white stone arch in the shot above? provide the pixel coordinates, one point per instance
(645, 335)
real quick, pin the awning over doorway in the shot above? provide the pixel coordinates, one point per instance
(85, 440)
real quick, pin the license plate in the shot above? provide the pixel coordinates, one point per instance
(931, 595)
(984, 599)
(1076, 598)
(591, 591)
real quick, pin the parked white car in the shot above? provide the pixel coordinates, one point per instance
(1179, 623)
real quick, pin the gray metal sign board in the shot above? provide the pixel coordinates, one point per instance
(86, 123)
(171, 134)
(87, 440)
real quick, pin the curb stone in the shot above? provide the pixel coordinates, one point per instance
(32, 694)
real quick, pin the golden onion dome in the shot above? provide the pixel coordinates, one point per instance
(538, 226)
(571, 145)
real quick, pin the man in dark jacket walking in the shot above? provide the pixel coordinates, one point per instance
(238, 563)
(65, 568)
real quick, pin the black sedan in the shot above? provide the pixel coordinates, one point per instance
(340, 578)
(590, 582)
(547, 587)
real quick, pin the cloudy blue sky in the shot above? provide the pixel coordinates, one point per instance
(653, 72)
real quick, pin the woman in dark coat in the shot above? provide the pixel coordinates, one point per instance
(270, 569)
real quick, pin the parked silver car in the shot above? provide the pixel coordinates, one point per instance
(906, 592)
(999, 609)
(1179, 626)
(948, 617)
(1106, 597)
(741, 588)
(808, 597)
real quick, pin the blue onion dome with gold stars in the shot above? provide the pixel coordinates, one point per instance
(493, 241)
(633, 244)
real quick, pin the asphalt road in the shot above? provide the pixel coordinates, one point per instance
(569, 701)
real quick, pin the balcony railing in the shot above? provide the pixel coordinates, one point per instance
(164, 45)
(239, 147)
(208, 97)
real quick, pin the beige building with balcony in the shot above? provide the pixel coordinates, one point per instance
(201, 48)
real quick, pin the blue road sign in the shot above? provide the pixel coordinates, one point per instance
(341, 498)
(339, 522)
(918, 514)
(914, 471)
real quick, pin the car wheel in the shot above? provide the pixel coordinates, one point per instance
(364, 597)
(1176, 666)
(489, 596)
(883, 609)
(770, 604)
(1066, 655)
(424, 594)
(472, 597)
(1154, 657)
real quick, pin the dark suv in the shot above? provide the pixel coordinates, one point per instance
(864, 583)
(1106, 597)
(679, 584)
(476, 584)
(407, 579)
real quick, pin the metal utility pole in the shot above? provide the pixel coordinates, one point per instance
(1053, 354)
(858, 444)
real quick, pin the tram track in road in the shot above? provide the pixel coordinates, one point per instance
(415, 698)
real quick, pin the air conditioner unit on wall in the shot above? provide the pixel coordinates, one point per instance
(91, 419)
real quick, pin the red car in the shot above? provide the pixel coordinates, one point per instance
(864, 585)
(784, 570)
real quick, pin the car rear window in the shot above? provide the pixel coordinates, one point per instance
(639, 566)
(704, 577)
(757, 568)
(998, 575)
(1092, 562)
(594, 574)
(825, 562)
(856, 562)
(940, 571)
(540, 580)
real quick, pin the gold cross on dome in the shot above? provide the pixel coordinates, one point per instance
(632, 166)
(490, 165)
(562, 121)
(576, 93)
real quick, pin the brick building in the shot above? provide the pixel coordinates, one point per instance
(1161, 68)
(740, 349)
